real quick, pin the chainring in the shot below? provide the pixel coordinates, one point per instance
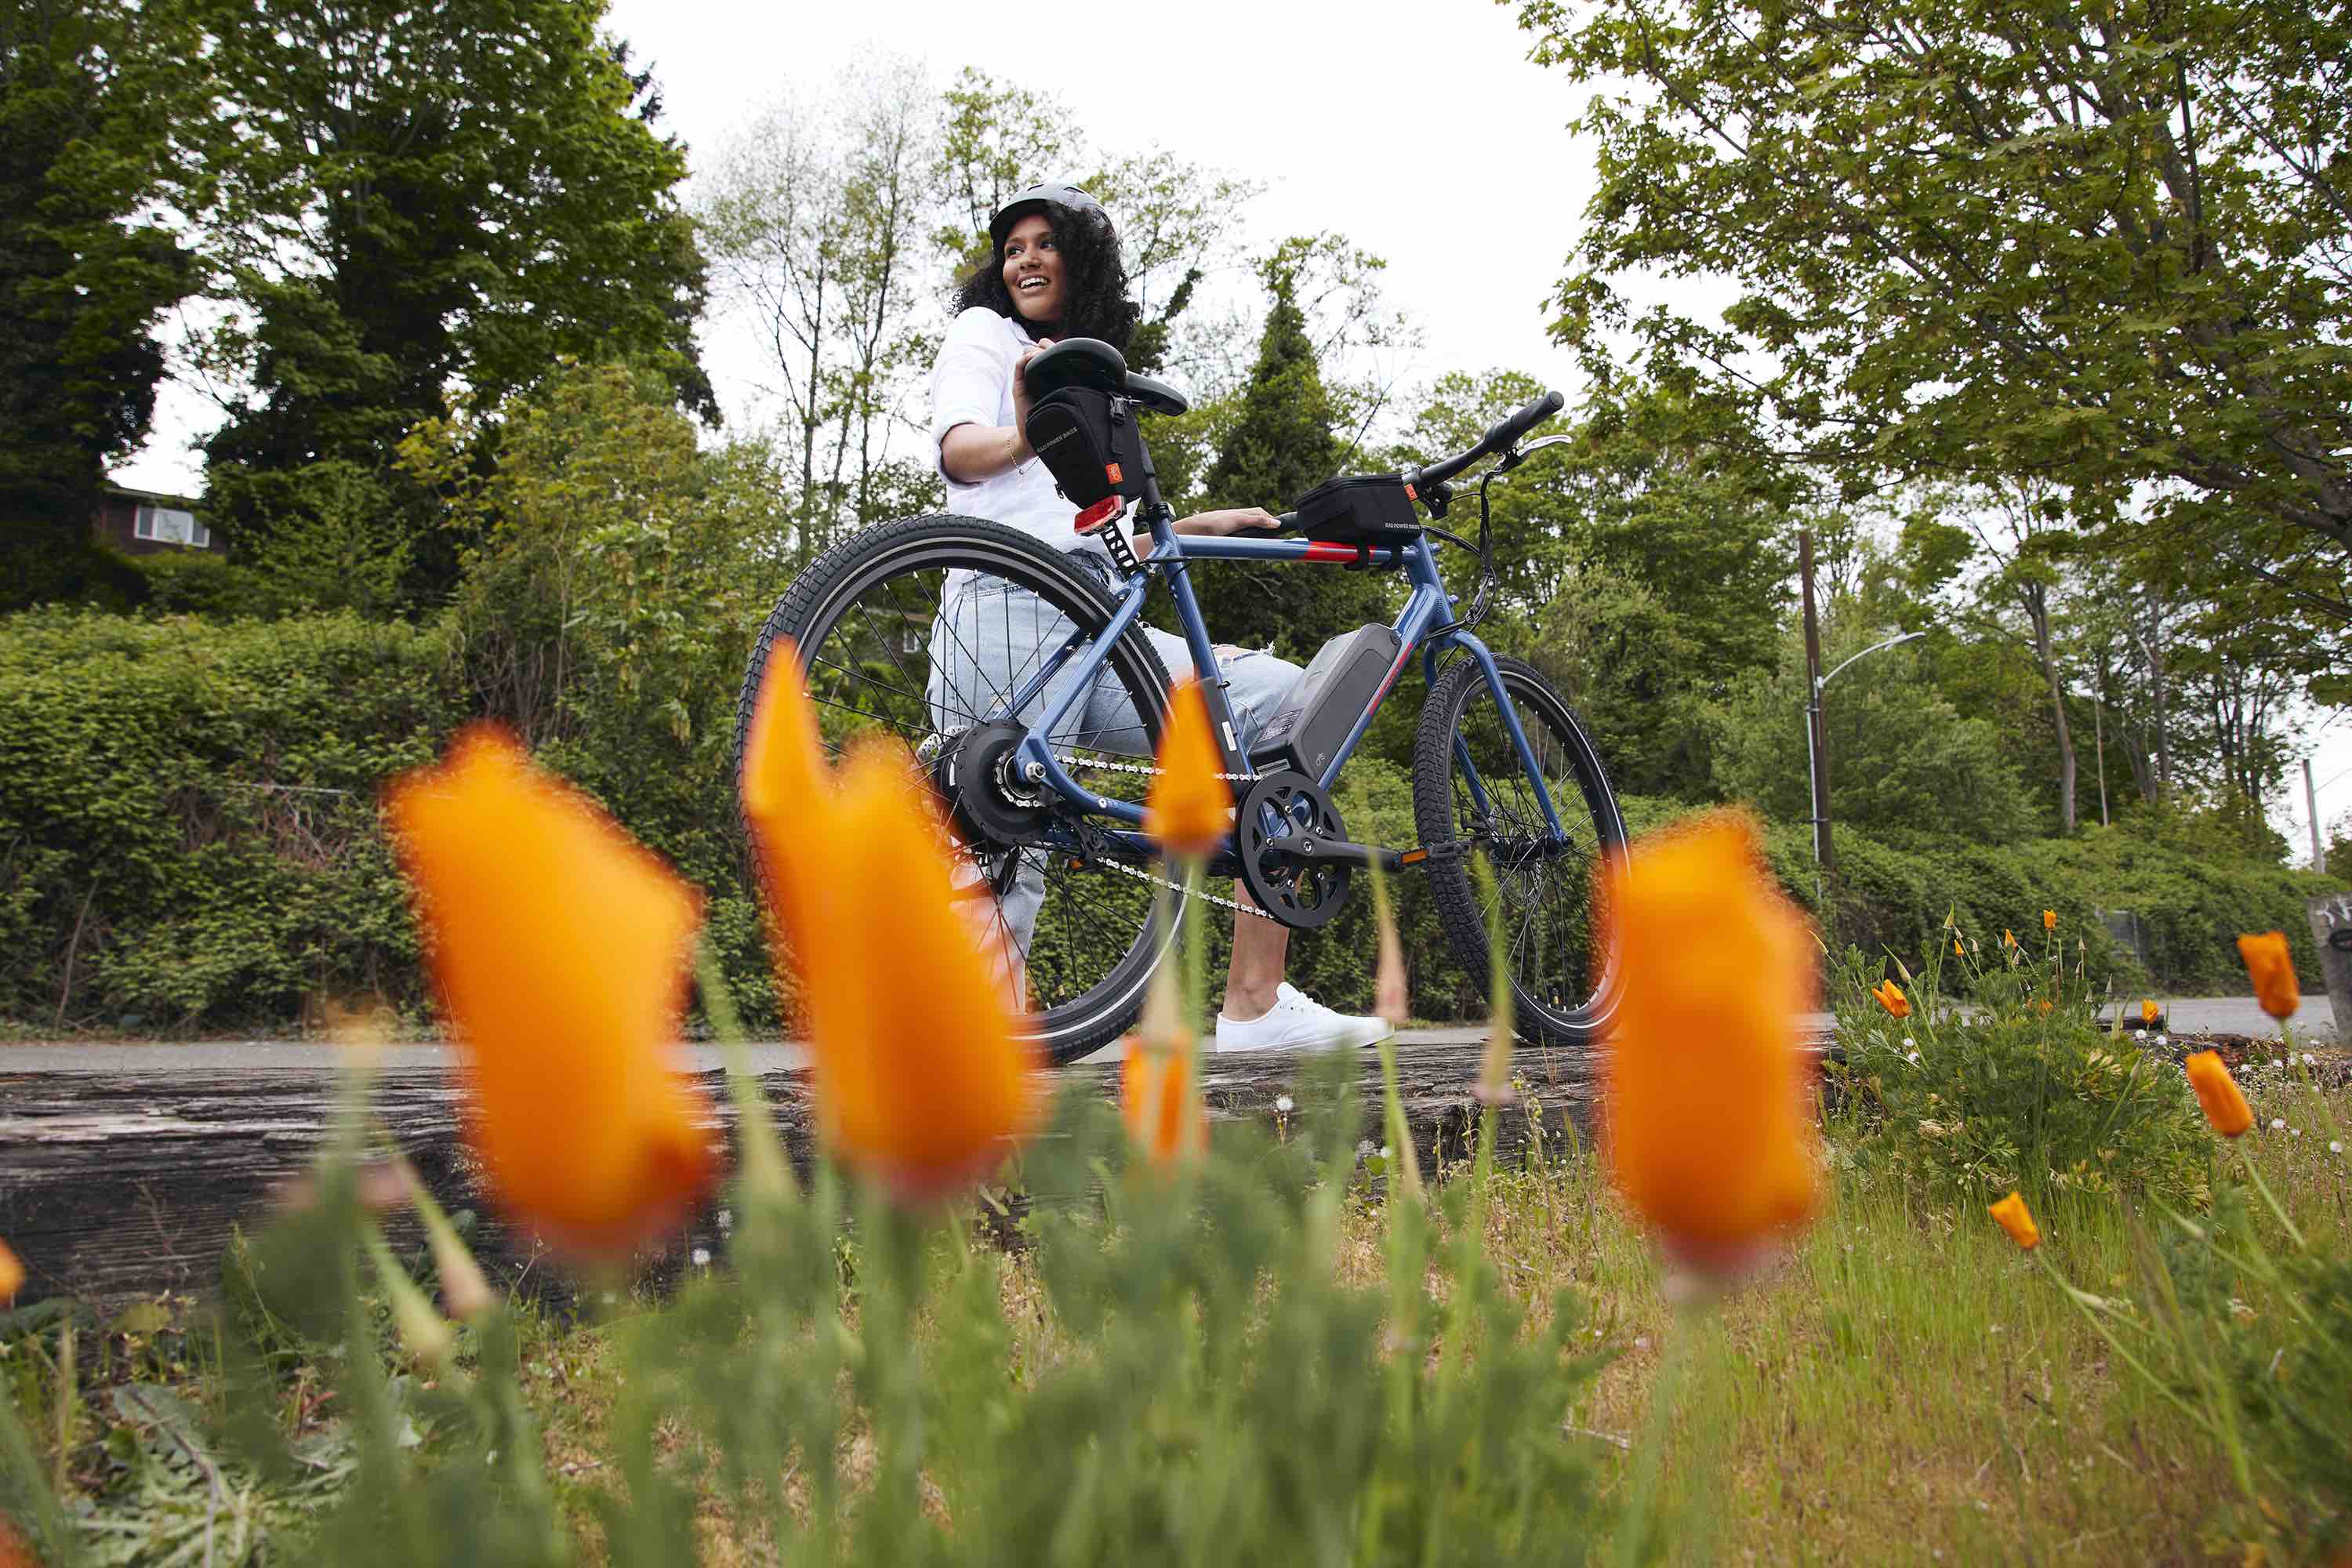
(1282, 813)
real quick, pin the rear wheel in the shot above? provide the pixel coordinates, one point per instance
(1470, 787)
(884, 658)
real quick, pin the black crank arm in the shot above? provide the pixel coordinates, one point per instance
(1333, 851)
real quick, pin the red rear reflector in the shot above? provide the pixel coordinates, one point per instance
(1110, 472)
(1095, 516)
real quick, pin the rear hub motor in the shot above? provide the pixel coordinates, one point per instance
(977, 776)
(1284, 823)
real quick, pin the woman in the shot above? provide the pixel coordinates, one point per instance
(1054, 270)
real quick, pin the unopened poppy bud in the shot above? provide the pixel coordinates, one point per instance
(2017, 1220)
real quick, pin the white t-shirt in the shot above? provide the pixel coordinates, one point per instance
(971, 383)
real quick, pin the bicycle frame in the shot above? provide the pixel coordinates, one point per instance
(1426, 608)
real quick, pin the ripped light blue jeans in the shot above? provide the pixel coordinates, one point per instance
(989, 637)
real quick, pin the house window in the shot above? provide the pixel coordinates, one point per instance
(165, 525)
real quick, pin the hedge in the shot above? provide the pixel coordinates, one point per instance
(189, 842)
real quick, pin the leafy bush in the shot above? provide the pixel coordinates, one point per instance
(2021, 1092)
(187, 813)
(1893, 893)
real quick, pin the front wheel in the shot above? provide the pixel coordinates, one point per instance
(1471, 787)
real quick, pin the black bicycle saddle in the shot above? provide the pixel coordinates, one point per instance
(1094, 365)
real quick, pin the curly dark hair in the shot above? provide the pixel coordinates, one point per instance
(1094, 279)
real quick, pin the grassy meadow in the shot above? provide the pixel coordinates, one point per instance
(1905, 1386)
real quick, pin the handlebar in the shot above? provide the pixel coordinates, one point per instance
(1504, 433)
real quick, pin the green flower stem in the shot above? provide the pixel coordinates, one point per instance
(766, 1175)
(1400, 1133)
(1640, 1523)
(2092, 1317)
(2256, 1173)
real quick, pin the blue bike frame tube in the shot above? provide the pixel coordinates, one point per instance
(1428, 605)
(1478, 650)
(1033, 748)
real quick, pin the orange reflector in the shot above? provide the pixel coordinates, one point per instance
(1413, 857)
(1412, 494)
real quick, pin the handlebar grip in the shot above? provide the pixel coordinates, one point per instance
(1500, 436)
(1519, 424)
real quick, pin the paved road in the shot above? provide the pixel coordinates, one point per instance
(2232, 1015)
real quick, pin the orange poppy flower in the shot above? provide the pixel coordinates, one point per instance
(14, 1553)
(11, 1275)
(2271, 968)
(920, 1081)
(1189, 806)
(2050, 919)
(2008, 938)
(1707, 1130)
(2148, 1012)
(1890, 996)
(1156, 1098)
(2044, 1008)
(1957, 949)
(2225, 1107)
(557, 948)
(2017, 1220)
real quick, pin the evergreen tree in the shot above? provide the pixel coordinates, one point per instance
(1279, 447)
(80, 286)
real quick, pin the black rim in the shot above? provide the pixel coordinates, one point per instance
(1548, 919)
(868, 649)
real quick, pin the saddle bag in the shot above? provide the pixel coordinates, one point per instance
(1089, 443)
(1359, 509)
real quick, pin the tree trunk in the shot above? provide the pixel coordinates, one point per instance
(2037, 615)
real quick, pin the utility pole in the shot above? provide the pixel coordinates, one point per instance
(1824, 853)
(2099, 734)
(2311, 805)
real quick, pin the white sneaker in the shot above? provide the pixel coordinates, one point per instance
(1295, 1022)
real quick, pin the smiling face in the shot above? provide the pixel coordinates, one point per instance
(1033, 270)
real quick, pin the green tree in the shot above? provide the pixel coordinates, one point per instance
(1279, 446)
(2104, 244)
(1902, 758)
(83, 280)
(406, 201)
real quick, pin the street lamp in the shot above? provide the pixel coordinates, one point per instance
(1824, 852)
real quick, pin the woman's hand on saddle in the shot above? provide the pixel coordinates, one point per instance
(1233, 520)
(1021, 388)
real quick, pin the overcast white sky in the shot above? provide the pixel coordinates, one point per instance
(1418, 129)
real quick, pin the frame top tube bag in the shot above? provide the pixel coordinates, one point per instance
(1359, 509)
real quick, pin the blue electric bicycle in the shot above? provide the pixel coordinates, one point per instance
(1017, 677)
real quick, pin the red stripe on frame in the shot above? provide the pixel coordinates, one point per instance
(1324, 550)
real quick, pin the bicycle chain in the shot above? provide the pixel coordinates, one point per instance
(1107, 764)
(1143, 876)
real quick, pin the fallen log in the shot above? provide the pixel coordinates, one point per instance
(121, 1186)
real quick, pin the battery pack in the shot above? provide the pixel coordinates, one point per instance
(1307, 731)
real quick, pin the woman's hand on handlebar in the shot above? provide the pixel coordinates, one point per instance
(1234, 520)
